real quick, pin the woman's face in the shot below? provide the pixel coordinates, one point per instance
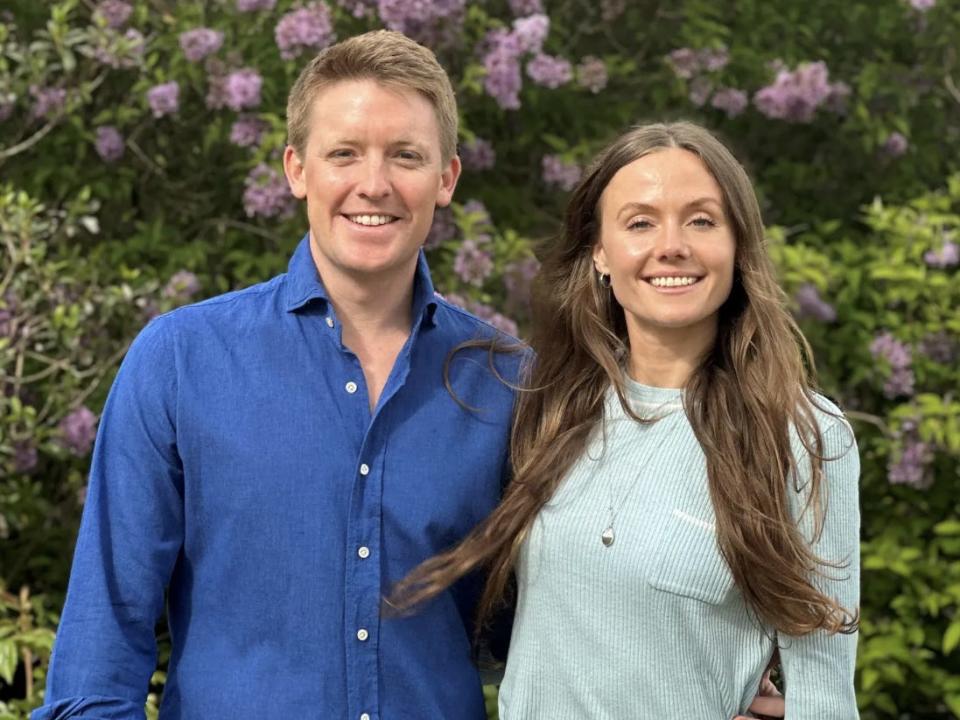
(667, 245)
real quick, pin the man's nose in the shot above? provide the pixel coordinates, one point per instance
(375, 180)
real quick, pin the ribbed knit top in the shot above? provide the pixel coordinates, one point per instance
(653, 626)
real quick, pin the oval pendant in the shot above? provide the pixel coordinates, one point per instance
(607, 536)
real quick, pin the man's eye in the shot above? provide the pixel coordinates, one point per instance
(408, 155)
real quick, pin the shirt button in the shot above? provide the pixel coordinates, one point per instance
(365, 716)
(364, 469)
(364, 552)
(329, 321)
(351, 387)
(362, 634)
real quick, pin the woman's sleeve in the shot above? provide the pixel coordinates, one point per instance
(818, 668)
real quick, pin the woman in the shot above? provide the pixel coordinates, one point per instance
(683, 504)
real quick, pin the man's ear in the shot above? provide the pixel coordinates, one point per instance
(293, 169)
(448, 181)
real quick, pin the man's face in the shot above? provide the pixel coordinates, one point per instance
(371, 174)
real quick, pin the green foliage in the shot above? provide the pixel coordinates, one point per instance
(93, 247)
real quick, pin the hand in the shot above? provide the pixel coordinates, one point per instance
(768, 703)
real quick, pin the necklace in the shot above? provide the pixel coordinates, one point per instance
(609, 535)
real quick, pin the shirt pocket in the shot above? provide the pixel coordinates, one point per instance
(688, 562)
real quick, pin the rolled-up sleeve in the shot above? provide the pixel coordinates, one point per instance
(130, 537)
(819, 668)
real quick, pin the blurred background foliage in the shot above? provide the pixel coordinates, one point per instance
(139, 170)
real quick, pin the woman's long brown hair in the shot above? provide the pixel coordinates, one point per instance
(741, 401)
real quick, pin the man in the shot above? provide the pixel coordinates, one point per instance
(275, 458)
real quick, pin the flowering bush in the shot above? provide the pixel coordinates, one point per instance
(140, 160)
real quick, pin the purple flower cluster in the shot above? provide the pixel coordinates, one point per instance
(478, 154)
(429, 22)
(78, 430)
(120, 51)
(910, 468)
(558, 172)
(796, 95)
(442, 230)
(899, 357)
(267, 193)
(687, 63)
(522, 8)
(247, 131)
(358, 8)
(114, 13)
(895, 145)
(308, 28)
(517, 278)
(922, 5)
(109, 143)
(502, 65)
(181, 286)
(164, 99)
(47, 101)
(484, 312)
(477, 214)
(592, 74)
(24, 456)
(810, 304)
(200, 42)
(947, 256)
(940, 347)
(241, 89)
(472, 263)
(730, 100)
(254, 5)
(531, 32)
(549, 71)
(699, 90)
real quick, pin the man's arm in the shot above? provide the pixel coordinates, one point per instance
(130, 537)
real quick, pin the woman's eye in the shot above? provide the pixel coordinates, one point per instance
(703, 222)
(638, 224)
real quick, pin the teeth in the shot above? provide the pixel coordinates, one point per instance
(672, 281)
(372, 219)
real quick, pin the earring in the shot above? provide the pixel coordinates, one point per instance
(604, 279)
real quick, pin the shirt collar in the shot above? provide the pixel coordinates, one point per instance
(303, 284)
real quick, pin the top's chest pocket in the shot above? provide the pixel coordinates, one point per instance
(687, 561)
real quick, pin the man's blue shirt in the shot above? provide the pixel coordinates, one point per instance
(239, 468)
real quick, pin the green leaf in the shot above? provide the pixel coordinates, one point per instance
(8, 660)
(951, 638)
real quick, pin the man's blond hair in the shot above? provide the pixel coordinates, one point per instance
(387, 57)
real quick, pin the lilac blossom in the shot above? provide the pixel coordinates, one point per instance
(254, 5)
(531, 32)
(940, 347)
(472, 264)
(522, 8)
(947, 256)
(922, 5)
(795, 96)
(24, 456)
(517, 279)
(358, 8)
(267, 193)
(308, 28)
(714, 59)
(241, 89)
(685, 62)
(78, 430)
(895, 145)
(549, 70)
(47, 101)
(109, 143)
(478, 154)
(898, 356)
(247, 131)
(442, 230)
(699, 91)
(502, 65)
(114, 13)
(500, 322)
(810, 304)
(428, 22)
(563, 174)
(730, 100)
(477, 213)
(200, 42)
(181, 286)
(164, 99)
(592, 74)
(910, 468)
